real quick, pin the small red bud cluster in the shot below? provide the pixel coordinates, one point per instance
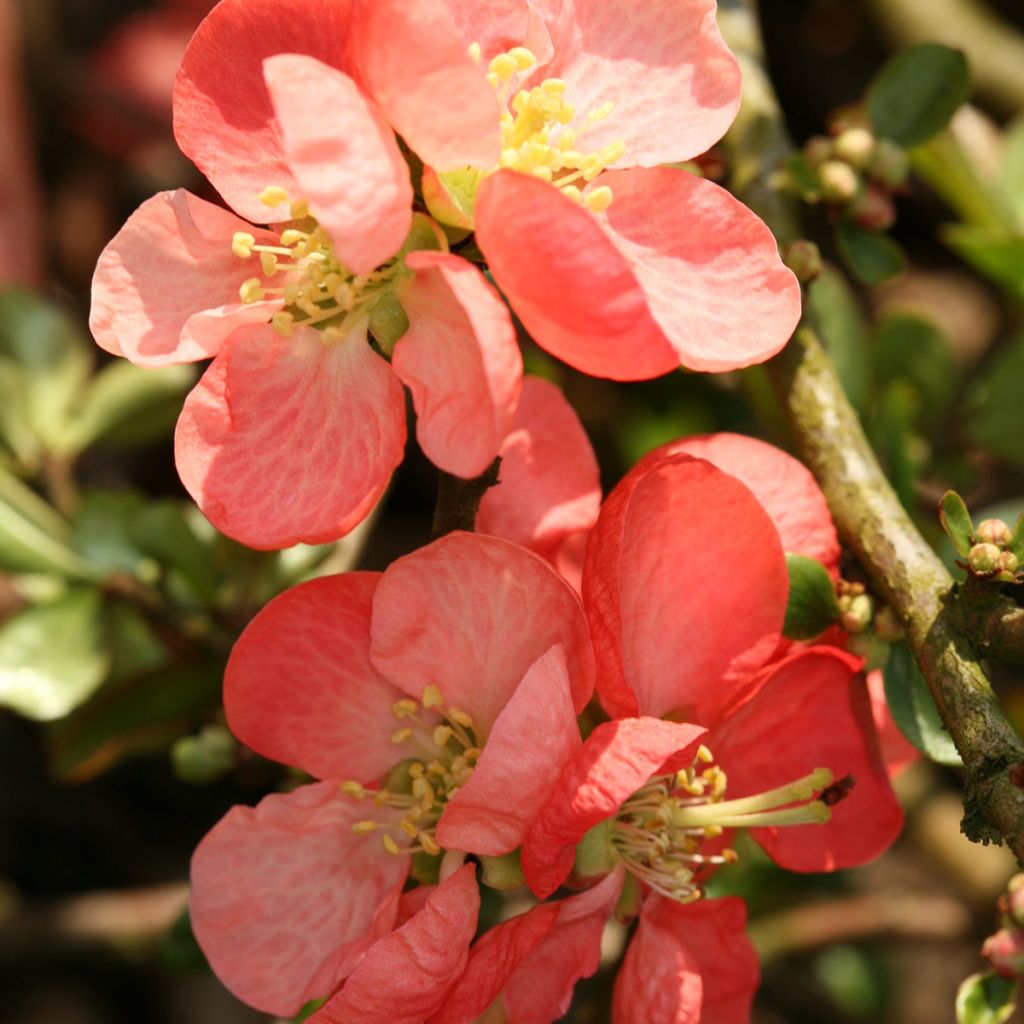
(1004, 950)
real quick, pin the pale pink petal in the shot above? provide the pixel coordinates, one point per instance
(685, 586)
(897, 751)
(300, 688)
(223, 117)
(497, 26)
(567, 281)
(289, 439)
(812, 712)
(166, 286)
(413, 62)
(710, 268)
(550, 485)
(785, 487)
(663, 64)
(518, 771)
(471, 614)
(460, 360)
(406, 975)
(286, 897)
(617, 759)
(344, 157)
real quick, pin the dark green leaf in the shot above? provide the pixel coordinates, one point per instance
(911, 348)
(956, 521)
(986, 999)
(892, 433)
(102, 531)
(913, 709)
(995, 411)
(1013, 165)
(871, 258)
(812, 604)
(179, 950)
(917, 92)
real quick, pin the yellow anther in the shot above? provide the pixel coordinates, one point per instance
(390, 845)
(504, 66)
(473, 754)
(400, 736)
(424, 792)
(242, 243)
(432, 697)
(416, 770)
(730, 856)
(442, 734)
(251, 290)
(572, 192)
(299, 208)
(354, 790)
(283, 323)
(475, 52)
(492, 79)
(273, 195)
(292, 236)
(612, 152)
(554, 87)
(523, 57)
(713, 831)
(460, 718)
(544, 173)
(705, 755)
(601, 112)
(429, 844)
(408, 828)
(268, 261)
(363, 827)
(381, 797)
(404, 708)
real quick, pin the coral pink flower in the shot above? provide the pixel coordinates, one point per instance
(395, 690)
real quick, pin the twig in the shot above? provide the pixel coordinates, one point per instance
(458, 500)
(992, 620)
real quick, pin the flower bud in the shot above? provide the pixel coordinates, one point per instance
(856, 146)
(856, 613)
(1014, 901)
(839, 182)
(817, 150)
(889, 164)
(887, 626)
(1009, 562)
(993, 531)
(873, 209)
(803, 257)
(984, 558)
(1005, 952)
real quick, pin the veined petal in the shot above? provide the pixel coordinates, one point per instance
(812, 712)
(497, 26)
(289, 883)
(471, 614)
(567, 280)
(406, 975)
(550, 484)
(685, 586)
(223, 117)
(460, 360)
(615, 761)
(708, 266)
(413, 62)
(170, 267)
(300, 687)
(291, 439)
(344, 157)
(533, 739)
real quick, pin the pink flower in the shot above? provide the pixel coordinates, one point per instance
(419, 696)
(293, 432)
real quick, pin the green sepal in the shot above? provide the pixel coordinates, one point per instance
(426, 867)
(388, 322)
(595, 855)
(956, 521)
(812, 605)
(503, 873)
(986, 999)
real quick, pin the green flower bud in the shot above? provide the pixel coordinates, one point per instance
(856, 146)
(803, 257)
(840, 183)
(993, 531)
(984, 558)
(1009, 562)
(889, 164)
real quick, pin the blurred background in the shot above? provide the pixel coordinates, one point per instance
(119, 604)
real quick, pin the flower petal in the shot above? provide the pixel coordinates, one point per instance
(615, 761)
(223, 117)
(673, 82)
(709, 267)
(496, 26)
(472, 614)
(550, 484)
(300, 687)
(406, 975)
(575, 292)
(288, 439)
(460, 360)
(173, 237)
(674, 947)
(897, 751)
(812, 712)
(344, 157)
(685, 587)
(533, 739)
(413, 62)
(785, 487)
(289, 883)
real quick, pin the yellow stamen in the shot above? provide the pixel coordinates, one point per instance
(390, 845)
(273, 195)
(242, 243)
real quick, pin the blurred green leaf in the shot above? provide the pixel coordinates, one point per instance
(956, 521)
(917, 92)
(892, 434)
(179, 950)
(812, 604)
(985, 999)
(992, 252)
(995, 409)
(102, 530)
(912, 348)
(52, 657)
(204, 757)
(871, 258)
(1013, 165)
(853, 982)
(913, 709)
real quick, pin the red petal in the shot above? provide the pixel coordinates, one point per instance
(288, 439)
(289, 883)
(460, 360)
(685, 586)
(897, 751)
(499, 25)
(617, 759)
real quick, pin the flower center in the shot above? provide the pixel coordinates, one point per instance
(317, 289)
(441, 752)
(541, 135)
(659, 831)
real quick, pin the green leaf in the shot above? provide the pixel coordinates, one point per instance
(992, 252)
(956, 521)
(892, 434)
(52, 657)
(163, 532)
(1013, 165)
(805, 179)
(871, 258)
(913, 709)
(995, 412)
(179, 950)
(1016, 544)
(911, 348)
(986, 999)
(917, 92)
(812, 604)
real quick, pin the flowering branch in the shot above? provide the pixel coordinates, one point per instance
(871, 519)
(458, 500)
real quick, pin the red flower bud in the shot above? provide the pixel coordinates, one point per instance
(1005, 952)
